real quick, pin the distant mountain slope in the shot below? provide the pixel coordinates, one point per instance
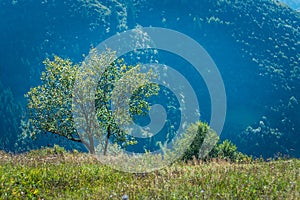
(292, 3)
(255, 44)
(249, 38)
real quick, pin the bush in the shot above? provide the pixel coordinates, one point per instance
(224, 150)
(227, 150)
(46, 151)
(203, 130)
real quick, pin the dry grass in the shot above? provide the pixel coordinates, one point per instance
(49, 174)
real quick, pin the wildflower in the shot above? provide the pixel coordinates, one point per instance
(125, 197)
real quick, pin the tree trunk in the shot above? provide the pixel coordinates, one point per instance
(107, 139)
(92, 149)
(91, 143)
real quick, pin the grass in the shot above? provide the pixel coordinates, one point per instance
(47, 174)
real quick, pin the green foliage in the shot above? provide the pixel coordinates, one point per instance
(65, 84)
(199, 130)
(80, 176)
(49, 104)
(46, 151)
(228, 150)
(125, 87)
(224, 150)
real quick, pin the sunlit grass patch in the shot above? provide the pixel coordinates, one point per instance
(46, 174)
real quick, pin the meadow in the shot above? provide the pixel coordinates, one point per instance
(55, 174)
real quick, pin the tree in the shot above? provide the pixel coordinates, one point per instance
(92, 88)
(200, 131)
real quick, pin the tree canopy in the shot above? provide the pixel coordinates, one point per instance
(64, 83)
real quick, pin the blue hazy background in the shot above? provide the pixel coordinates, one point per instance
(255, 45)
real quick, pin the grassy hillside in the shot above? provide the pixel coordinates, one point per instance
(51, 174)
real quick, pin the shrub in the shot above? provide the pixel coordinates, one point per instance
(224, 150)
